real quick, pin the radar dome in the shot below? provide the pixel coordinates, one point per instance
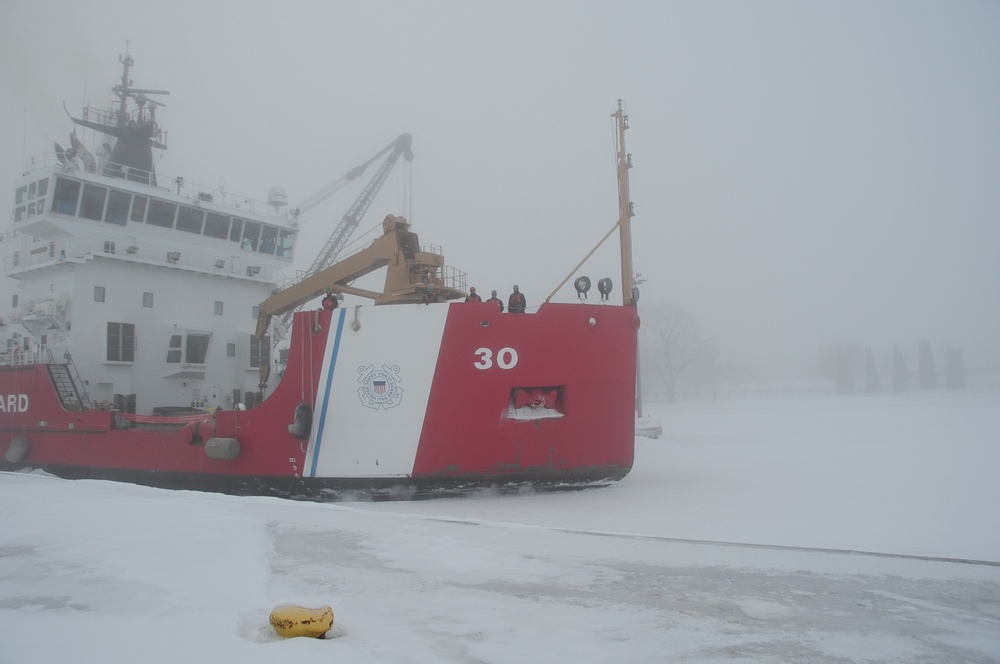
(276, 197)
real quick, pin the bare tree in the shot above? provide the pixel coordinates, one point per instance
(928, 375)
(900, 376)
(844, 369)
(841, 362)
(955, 375)
(873, 383)
(672, 342)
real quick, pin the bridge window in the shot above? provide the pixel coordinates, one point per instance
(190, 219)
(67, 195)
(98, 293)
(161, 213)
(217, 225)
(268, 238)
(118, 202)
(138, 209)
(92, 205)
(121, 342)
(286, 239)
(251, 235)
(236, 230)
(27, 205)
(19, 211)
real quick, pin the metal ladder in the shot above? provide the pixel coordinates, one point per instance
(68, 384)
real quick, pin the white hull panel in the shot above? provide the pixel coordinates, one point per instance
(375, 385)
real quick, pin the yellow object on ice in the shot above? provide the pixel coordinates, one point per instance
(289, 621)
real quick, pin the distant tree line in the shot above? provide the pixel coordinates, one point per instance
(677, 356)
(849, 361)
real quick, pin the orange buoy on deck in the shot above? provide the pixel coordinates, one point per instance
(290, 621)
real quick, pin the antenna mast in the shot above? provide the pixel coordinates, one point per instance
(625, 210)
(625, 214)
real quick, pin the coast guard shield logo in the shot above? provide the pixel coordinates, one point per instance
(379, 387)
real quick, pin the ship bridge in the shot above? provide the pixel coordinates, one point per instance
(70, 213)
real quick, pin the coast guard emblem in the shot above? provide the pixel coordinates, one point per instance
(379, 387)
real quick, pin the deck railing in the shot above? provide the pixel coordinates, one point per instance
(72, 390)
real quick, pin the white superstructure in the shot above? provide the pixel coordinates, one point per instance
(151, 288)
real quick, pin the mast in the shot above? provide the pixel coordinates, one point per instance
(127, 62)
(625, 212)
(136, 133)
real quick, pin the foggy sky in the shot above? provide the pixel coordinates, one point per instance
(804, 173)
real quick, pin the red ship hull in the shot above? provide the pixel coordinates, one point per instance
(423, 399)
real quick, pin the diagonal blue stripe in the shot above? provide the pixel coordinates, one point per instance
(326, 392)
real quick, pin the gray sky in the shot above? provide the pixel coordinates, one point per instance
(805, 173)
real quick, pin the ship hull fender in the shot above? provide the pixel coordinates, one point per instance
(223, 449)
(17, 450)
(301, 424)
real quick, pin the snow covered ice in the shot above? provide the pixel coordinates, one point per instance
(750, 531)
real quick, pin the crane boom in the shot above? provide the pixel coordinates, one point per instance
(400, 147)
(343, 180)
(328, 254)
(411, 273)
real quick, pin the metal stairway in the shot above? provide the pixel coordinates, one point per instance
(68, 385)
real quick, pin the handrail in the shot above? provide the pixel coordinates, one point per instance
(43, 356)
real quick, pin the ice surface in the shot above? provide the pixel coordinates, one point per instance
(718, 547)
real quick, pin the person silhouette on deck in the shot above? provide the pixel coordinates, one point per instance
(494, 298)
(330, 300)
(516, 304)
(473, 296)
(431, 296)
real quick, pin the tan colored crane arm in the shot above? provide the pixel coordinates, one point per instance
(365, 261)
(411, 273)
